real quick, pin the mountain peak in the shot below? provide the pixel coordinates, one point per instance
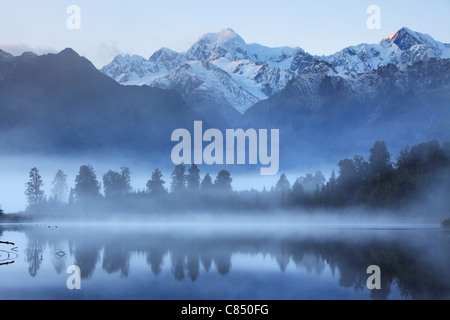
(228, 32)
(5, 55)
(212, 46)
(221, 37)
(399, 32)
(405, 38)
(222, 70)
(69, 52)
(163, 53)
(68, 56)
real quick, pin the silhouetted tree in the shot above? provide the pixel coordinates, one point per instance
(126, 178)
(117, 184)
(223, 181)
(381, 183)
(428, 156)
(156, 184)
(419, 167)
(332, 181)
(283, 188)
(347, 180)
(297, 192)
(178, 183)
(206, 183)
(362, 168)
(310, 181)
(329, 190)
(86, 185)
(33, 191)
(283, 184)
(377, 183)
(193, 178)
(380, 159)
(59, 186)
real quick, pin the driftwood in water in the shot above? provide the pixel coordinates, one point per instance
(3, 242)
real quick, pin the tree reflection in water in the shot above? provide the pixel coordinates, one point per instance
(416, 268)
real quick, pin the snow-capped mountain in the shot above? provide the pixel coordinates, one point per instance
(221, 75)
(321, 113)
(219, 66)
(323, 110)
(403, 47)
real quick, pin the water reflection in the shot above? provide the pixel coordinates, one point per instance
(414, 262)
(8, 253)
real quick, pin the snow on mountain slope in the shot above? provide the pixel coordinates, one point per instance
(225, 71)
(402, 47)
(323, 109)
(364, 57)
(405, 39)
(222, 62)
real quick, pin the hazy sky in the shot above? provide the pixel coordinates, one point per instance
(110, 27)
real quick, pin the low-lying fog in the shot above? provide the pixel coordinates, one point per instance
(14, 174)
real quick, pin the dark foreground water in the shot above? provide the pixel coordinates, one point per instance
(144, 261)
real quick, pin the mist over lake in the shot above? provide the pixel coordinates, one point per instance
(228, 261)
(183, 151)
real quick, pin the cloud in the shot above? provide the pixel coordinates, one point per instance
(106, 52)
(100, 56)
(18, 49)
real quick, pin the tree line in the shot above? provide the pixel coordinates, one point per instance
(378, 182)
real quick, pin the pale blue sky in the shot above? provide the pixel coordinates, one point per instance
(109, 27)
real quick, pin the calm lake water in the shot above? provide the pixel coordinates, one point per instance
(147, 261)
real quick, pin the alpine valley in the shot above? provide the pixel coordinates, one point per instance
(325, 107)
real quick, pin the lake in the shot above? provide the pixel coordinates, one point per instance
(229, 261)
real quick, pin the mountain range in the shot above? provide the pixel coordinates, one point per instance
(324, 106)
(61, 104)
(327, 114)
(221, 74)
